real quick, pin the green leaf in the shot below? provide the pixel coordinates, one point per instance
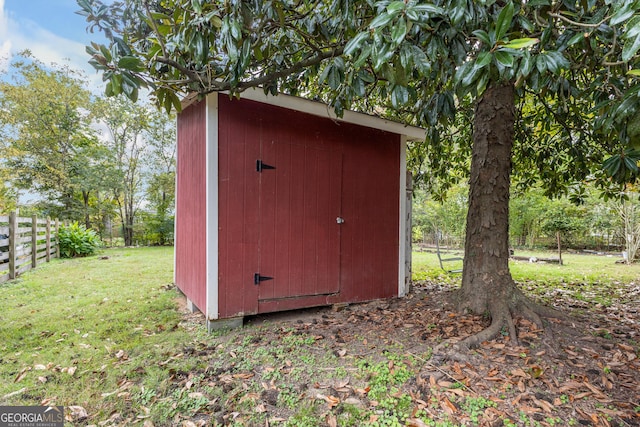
(381, 20)
(197, 6)
(364, 55)
(632, 29)
(504, 58)
(160, 16)
(483, 37)
(521, 43)
(504, 21)
(215, 21)
(399, 31)
(622, 14)
(395, 7)
(612, 165)
(355, 43)
(130, 63)
(575, 39)
(483, 59)
(526, 64)
(468, 75)
(631, 165)
(399, 96)
(630, 48)
(428, 8)
(635, 73)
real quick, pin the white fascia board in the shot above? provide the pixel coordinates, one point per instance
(211, 189)
(411, 133)
(402, 229)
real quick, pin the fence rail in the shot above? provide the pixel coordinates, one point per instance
(26, 243)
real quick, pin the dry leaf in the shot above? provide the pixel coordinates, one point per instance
(76, 413)
(449, 407)
(21, 375)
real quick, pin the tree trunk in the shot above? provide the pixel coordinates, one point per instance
(487, 285)
(559, 248)
(87, 218)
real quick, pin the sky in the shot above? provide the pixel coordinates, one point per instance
(52, 31)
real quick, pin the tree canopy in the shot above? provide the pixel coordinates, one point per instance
(549, 87)
(46, 129)
(575, 66)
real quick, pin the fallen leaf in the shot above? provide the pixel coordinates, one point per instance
(449, 407)
(76, 413)
(21, 375)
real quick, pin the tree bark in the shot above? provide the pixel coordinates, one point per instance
(487, 285)
(87, 218)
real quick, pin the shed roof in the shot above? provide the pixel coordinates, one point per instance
(320, 109)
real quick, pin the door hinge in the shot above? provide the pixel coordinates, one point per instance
(257, 278)
(260, 166)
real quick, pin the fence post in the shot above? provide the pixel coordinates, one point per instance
(13, 231)
(48, 239)
(57, 240)
(34, 241)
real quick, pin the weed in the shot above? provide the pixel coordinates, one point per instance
(181, 402)
(304, 417)
(475, 406)
(145, 396)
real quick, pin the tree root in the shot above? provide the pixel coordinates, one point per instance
(502, 320)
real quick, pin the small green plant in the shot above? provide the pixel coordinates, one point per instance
(76, 241)
(475, 406)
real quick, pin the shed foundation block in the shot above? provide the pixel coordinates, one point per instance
(219, 324)
(191, 306)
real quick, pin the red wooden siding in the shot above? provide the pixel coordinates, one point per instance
(190, 244)
(370, 204)
(238, 137)
(281, 222)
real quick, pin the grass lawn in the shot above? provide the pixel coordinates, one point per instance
(106, 337)
(593, 278)
(82, 332)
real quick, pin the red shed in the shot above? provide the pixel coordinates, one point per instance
(281, 205)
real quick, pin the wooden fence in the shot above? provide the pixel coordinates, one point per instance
(26, 243)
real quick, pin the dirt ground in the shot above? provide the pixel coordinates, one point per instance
(584, 371)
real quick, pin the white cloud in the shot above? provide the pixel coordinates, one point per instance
(18, 35)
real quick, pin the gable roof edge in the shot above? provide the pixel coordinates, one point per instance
(412, 133)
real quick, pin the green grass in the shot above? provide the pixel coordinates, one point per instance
(82, 331)
(576, 268)
(594, 278)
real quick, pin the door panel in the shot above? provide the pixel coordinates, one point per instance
(300, 200)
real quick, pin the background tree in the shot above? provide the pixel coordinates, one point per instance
(629, 212)
(46, 132)
(161, 140)
(126, 124)
(561, 220)
(417, 62)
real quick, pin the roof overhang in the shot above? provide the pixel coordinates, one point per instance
(412, 133)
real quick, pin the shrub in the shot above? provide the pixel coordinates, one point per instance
(76, 241)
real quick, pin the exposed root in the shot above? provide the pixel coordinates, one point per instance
(502, 315)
